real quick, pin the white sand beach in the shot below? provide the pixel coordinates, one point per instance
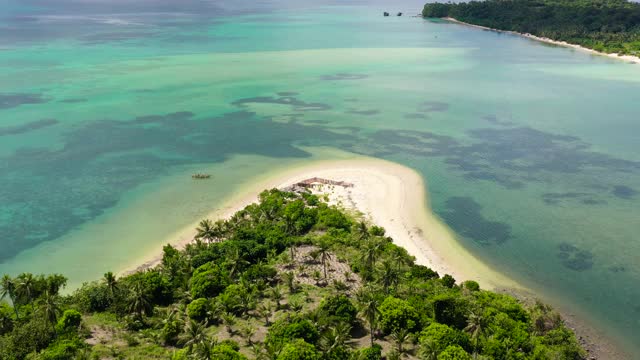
(628, 58)
(386, 194)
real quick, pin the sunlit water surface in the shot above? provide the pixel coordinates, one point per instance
(530, 151)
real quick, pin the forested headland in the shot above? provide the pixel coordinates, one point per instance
(609, 26)
(287, 278)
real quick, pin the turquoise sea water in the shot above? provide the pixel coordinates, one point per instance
(106, 108)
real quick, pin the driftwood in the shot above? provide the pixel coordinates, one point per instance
(309, 183)
(317, 180)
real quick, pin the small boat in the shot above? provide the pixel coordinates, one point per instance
(386, 13)
(200, 176)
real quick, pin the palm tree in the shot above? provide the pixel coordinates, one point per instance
(370, 254)
(216, 310)
(26, 285)
(389, 276)
(194, 334)
(111, 283)
(336, 337)
(399, 258)
(8, 288)
(362, 230)
(258, 351)
(229, 320)
(205, 230)
(172, 315)
(369, 309)
(54, 283)
(476, 326)
(325, 255)
(429, 350)
(276, 295)
(204, 349)
(292, 250)
(83, 354)
(247, 333)
(235, 261)
(400, 336)
(264, 311)
(246, 302)
(290, 279)
(139, 301)
(313, 257)
(48, 305)
(273, 348)
(295, 305)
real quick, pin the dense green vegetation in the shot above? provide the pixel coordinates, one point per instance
(611, 26)
(287, 278)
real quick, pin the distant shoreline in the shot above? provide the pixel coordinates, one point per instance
(629, 58)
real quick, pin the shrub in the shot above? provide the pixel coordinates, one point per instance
(377, 230)
(260, 272)
(131, 340)
(157, 286)
(237, 299)
(298, 218)
(62, 350)
(421, 272)
(133, 323)
(226, 352)
(230, 343)
(454, 352)
(198, 308)
(70, 321)
(448, 281)
(471, 285)
(93, 297)
(397, 314)
(33, 335)
(339, 308)
(208, 281)
(506, 304)
(299, 350)
(443, 336)
(450, 310)
(283, 331)
(330, 217)
(341, 352)
(370, 353)
(170, 332)
(6, 320)
(180, 355)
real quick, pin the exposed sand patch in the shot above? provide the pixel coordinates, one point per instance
(309, 271)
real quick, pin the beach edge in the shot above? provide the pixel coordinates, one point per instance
(628, 58)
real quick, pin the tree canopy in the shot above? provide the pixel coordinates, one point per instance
(289, 277)
(610, 26)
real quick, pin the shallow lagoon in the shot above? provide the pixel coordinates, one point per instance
(530, 151)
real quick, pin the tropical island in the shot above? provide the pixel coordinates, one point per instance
(606, 26)
(292, 276)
